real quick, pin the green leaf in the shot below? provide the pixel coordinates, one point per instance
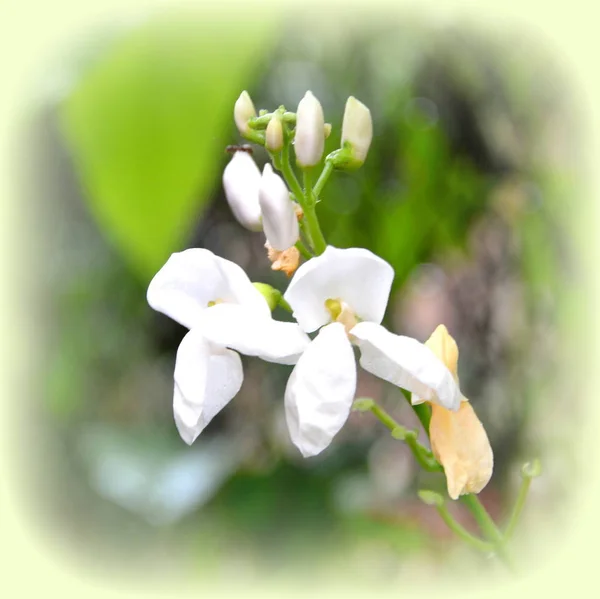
(147, 125)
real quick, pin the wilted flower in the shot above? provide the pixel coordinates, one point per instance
(458, 439)
(214, 298)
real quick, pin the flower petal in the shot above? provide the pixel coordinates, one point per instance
(206, 380)
(461, 445)
(355, 275)
(241, 180)
(406, 363)
(279, 219)
(189, 280)
(320, 390)
(251, 334)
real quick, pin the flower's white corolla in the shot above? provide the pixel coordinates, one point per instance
(279, 219)
(350, 287)
(237, 327)
(243, 110)
(216, 300)
(309, 141)
(355, 276)
(357, 129)
(407, 363)
(241, 181)
(190, 280)
(320, 390)
(206, 380)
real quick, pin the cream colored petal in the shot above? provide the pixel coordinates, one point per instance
(461, 445)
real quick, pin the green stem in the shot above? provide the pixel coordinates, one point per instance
(517, 509)
(488, 528)
(303, 250)
(310, 216)
(283, 165)
(323, 178)
(484, 520)
(423, 411)
(260, 122)
(423, 456)
(460, 531)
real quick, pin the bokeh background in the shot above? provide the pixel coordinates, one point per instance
(467, 192)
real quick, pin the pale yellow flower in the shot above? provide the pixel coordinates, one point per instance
(458, 439)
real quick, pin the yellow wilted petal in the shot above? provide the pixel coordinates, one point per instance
(460, 444)
(444, 347)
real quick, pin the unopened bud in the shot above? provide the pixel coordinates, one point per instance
(241, 181)
(243, 111)
(531, 469)
(271, 295)
(357, 131)
(431, 497)
(327, 130)
(310, 131)
(279, 220)
(274, 135)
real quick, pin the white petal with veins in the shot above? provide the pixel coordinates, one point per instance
(242, 329)
(191, 279)
(206, 380)
(320, 390)
(355, 276)
(241, 180)
(406, 363)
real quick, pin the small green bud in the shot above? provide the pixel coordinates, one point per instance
(399, 433)
(274, 134)
(363, 404)
(271, 295)
(431, 497)
(531, 469)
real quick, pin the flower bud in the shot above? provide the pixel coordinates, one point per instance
(310, 131)
(278, 214)
(357, 131)
(242, 111)
(241, 181)
(274, 135)
(272, 296)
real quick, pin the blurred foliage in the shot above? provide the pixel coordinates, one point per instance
(461, 192)
(144, 121)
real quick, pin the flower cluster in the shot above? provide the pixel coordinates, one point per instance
(339, 296)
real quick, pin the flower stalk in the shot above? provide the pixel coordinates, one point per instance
(227, 315)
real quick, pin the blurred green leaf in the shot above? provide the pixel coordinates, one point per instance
(147, 124)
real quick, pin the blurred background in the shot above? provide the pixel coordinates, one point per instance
(466, 191)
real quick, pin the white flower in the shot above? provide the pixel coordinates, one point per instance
(309, 141)
(343, 287)
(241, 181)
(215, 299)
(279, 219)
(243, 110)
(357, 129)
